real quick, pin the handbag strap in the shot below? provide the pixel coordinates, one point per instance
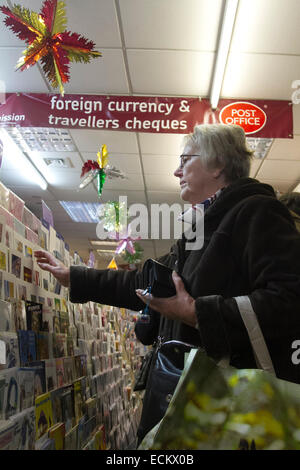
(260, 349)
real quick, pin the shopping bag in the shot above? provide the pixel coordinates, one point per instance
(223, 408)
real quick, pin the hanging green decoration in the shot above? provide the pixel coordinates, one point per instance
(100, 181)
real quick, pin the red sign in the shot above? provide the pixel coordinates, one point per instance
(247, 115)
(260, 118)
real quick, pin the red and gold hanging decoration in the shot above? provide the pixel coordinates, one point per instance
(48, 41)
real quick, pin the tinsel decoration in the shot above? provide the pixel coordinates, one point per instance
(102, 162)
(112, 216)
(128, 247)
(114, 221)
(99, 169)
(48, 41)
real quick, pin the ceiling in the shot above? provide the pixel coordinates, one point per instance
(158, 48)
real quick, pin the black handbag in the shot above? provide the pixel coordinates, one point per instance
(164, 374)
(143, 373)
(157, 278)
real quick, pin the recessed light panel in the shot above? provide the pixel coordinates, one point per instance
(82, 211)
(42, 139)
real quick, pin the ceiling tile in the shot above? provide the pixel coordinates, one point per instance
(161, 144)
(258, 25)
(72, 158)
(255, 164)
(29, 81)
(172, 72)
(132, 196)
(8, 162)
(76, 229)
(296, 118)
(160, 164)
(171, 24)
(283, 170)
(132, 181)
(155, 182)
(65, 179)
(88, 194)
(104, 74)
(7, 37)
(159, 197)
(260, 76)
(285, 149)
(97, 22)
(17, 178)
(132, 187)
(59, 176)
(117, 142)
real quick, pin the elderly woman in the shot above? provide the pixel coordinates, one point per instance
(250, 261)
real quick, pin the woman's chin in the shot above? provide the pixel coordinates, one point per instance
(184, 194)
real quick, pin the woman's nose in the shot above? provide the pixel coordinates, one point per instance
(178, 172)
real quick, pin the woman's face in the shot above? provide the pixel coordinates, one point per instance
(196, 182)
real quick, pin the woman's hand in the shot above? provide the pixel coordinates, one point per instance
(179, 307)
(48, 262)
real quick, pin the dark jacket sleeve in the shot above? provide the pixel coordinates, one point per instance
(107, 286)
(117, 288)
(266, 247)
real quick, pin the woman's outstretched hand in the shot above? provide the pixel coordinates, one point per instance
(48, 262)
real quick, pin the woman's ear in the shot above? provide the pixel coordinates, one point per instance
(217, 173)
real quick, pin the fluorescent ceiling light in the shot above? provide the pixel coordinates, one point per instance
(12, 151)
(82, 211)
(223, 49)
(104, 243)
(43, 139)
(33, 140)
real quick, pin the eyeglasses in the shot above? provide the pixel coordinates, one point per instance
(185, 158)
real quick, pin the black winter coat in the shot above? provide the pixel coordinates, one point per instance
(251, 248)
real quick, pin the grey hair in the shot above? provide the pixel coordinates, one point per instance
(222, 146)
